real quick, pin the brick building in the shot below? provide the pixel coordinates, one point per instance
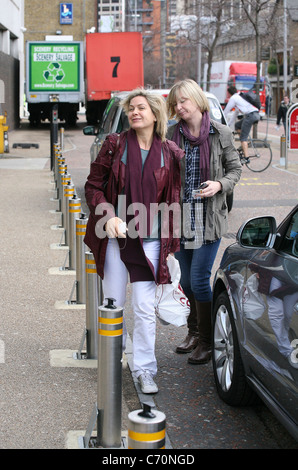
(11, 60)
(43, 19)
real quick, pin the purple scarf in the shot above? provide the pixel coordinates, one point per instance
(140, 187)
(202, 141)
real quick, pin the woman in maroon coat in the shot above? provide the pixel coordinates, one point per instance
(134, 173)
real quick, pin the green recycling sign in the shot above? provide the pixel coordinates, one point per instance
(54, 72)
(54, 67)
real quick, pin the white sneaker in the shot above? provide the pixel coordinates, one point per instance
(147, 383)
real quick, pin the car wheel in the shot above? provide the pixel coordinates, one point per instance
(229, 374)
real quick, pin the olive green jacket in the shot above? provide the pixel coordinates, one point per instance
(225, 167)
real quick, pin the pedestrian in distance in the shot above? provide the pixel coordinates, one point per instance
(210, 159)
(282, 112)
(133, 170)
(268, 102)
(250, 116)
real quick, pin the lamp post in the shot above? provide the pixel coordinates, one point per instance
(285, 65)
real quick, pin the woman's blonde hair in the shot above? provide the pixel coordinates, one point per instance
(158, 107)
(189, 89)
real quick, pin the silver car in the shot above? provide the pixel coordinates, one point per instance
(255, 318)
(115, 120)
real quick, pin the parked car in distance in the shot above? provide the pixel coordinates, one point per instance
(115, 120)
(255, 318)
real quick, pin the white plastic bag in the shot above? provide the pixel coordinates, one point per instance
(253, 303)
(171, 304)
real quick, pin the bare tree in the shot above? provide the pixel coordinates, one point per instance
(256, 12)
(215, 22)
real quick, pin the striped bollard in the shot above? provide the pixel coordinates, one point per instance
(62, 138)
(109, 375)
(81, 225)
(147, 429)
(74, 208)
(68, 193)
(91, 306)
(65, 179)
(56, 153)
(62, 168)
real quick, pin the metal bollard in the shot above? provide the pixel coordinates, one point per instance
(109, 375)
(62, 168)
(68, 193)
(81, 225)
(59, 160)
(56, 153)
(147, 429)
(74, 207)
(65, 179)
(92, 302)
(62, 138)
(283, 150)
(55, 150)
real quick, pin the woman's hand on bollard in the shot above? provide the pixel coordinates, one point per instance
(114, 228)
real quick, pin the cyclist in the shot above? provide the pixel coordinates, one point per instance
(250, 113)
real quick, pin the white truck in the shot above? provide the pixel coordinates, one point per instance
(225, 73)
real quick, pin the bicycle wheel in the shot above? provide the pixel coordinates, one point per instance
(259, 154)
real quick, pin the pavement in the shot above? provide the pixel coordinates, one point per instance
(48, 394)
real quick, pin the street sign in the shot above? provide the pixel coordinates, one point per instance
(293, 127)
(66, 13)
(291, 130)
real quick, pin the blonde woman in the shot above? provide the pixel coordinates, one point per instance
(137, 168)
(212, 160)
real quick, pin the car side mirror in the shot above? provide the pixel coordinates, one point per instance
(259, 232)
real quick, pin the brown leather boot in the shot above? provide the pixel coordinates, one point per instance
(202, 353)
(191, 340)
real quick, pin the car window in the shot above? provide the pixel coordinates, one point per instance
(123, 124)
(109, 116)
(290, 241)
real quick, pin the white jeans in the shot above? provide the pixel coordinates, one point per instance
(143, 294)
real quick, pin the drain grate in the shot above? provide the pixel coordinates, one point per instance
(25, 145)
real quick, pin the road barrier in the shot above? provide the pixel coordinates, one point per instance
(92, 303)
(147, 429)
(109, 376)
(77, 263)
(56, 153)
(103, 334)
(81, 225)
(65, 179)
(62, 169)
(62, 138)
(283, 150)
(74, 208)
(68, 193)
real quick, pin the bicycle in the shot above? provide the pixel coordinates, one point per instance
(259, 155)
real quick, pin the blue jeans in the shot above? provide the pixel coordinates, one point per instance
(196, 265)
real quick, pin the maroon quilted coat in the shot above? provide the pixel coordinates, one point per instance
(106, 181)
